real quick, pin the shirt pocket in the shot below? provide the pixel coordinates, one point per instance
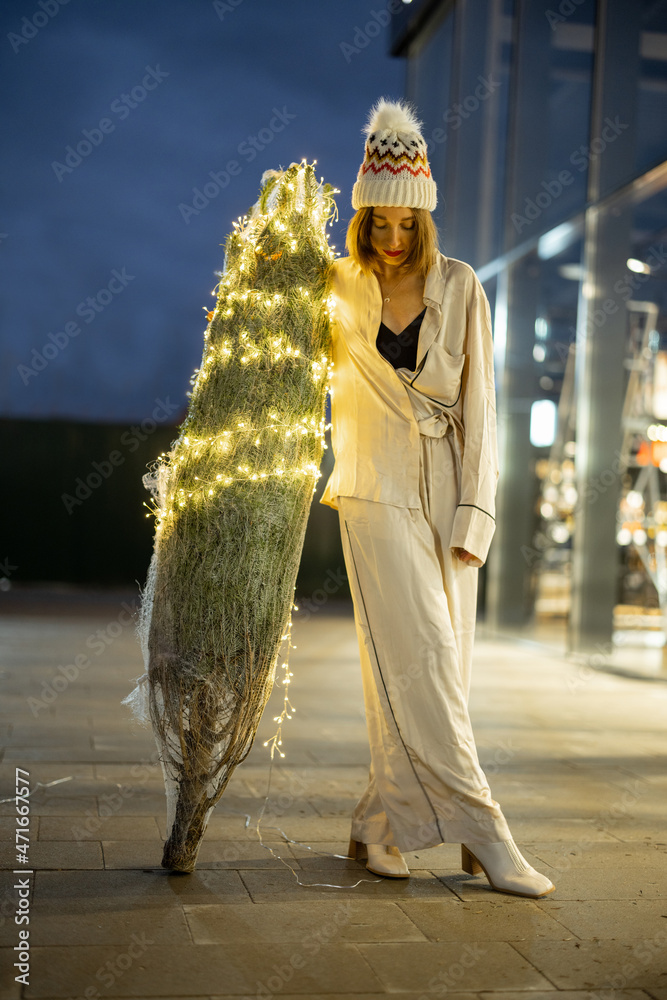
(439, 377)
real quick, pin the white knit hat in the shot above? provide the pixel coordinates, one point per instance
(395, 171)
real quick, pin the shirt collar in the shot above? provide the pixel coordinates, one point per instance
(434, 288)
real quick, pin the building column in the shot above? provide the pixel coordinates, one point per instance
(602, 331)
(508, 593)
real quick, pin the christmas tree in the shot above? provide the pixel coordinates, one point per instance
(231, 500)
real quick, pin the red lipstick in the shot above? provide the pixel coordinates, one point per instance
(393, 253)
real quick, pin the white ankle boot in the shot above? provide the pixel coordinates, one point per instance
(383, 859)
(505, 868)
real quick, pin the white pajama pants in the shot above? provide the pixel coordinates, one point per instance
(415, 607)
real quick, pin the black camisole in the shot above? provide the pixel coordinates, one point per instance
(400, 349)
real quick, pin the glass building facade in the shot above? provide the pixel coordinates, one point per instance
(547, 129)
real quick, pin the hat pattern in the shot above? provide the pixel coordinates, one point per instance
(395, 171)
(396, 156)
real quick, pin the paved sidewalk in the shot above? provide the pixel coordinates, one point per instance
(575, 757)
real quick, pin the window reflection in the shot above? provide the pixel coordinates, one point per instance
(651, 85)
(551, 148)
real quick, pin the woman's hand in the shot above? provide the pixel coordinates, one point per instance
(463, 554)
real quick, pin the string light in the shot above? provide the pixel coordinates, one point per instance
(288, 710)
(236, 335)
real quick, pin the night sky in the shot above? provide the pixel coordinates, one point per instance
(168, 92)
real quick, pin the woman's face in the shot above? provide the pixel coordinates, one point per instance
(392, 233)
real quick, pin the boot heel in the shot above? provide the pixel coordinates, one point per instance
(356, 850)
(469, 862)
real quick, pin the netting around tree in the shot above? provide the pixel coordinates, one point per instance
(231, 500)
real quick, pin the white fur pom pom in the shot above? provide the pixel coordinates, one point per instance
(392, 116)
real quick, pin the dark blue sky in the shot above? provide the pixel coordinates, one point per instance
(181, 88)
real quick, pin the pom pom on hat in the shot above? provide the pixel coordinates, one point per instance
(395, 171)
(392, 116)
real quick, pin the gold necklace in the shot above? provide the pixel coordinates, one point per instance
(387, 298)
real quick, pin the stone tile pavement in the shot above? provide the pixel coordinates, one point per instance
(575, 757)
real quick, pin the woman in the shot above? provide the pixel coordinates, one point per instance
(414, 482)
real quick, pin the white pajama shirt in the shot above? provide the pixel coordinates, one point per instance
(415, 475)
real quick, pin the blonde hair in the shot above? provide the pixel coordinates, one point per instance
(422, 253)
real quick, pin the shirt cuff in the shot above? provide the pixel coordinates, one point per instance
(472, 530)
